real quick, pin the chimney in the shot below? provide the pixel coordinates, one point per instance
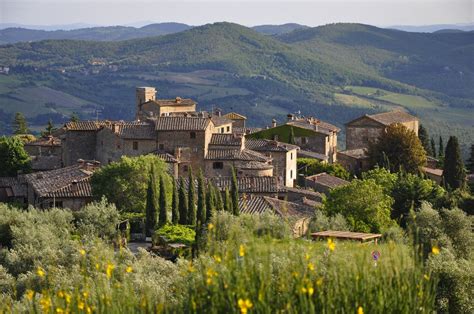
(115, 127)
(290, 117)
(274, 123)
(178, 100)
(74, 186)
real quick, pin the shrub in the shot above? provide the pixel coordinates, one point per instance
(175, 234)
(98, 219)
(321, 222)
(311, 166)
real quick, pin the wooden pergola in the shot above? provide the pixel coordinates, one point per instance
(346, 235)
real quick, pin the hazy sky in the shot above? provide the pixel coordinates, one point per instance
(246, 12)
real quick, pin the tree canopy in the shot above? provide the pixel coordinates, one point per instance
(454, 174)
(13, 157)
(400, 147)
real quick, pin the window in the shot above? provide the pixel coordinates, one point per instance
(192, 135)
(291, 156)
(135, 145)
(185, 168)
(118, 146)
(222, 130)
(304, 140)
(218, 165)
(161, 146)
(275, 137)
(228, 129)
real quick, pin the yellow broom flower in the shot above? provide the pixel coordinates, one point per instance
(435, 250)
(244, 305)
(360, 310)
(241, 250)
(331, 244)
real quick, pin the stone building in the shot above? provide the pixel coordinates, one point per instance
(310, 134)
(45, 153)
(323, 182)
(238, 120)
(148, 106)
(363, 130)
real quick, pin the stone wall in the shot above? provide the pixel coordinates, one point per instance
(78, 145)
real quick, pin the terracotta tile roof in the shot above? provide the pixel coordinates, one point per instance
(86, 125)
(254, 165)
(225, 140)
(327, 180)
(46, 182)
(358, 153)
(181, 124)
(314, 125)
(391, 117)
(81, 188)
(236, 154)
(42, 163)
(178, 101)
(136, 130)
(257, 205)
(16, 185)
(166, 157)
(220, 120)
(308, 154)
(235, 116)
(250, 184)
(240, 130)
(45, 141)
(262, 145)
(307, 193)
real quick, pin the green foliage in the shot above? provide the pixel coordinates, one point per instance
(235, 194)
(49, 128)
(382, 177)
(470, 161)
(163, 216)
(176, 234)
(151, 206)
(227, 201)
(183, 203)
(322, 222)
(425, 139)
(191, 199)
(454, 174)
(440, 148)
(125, 182)
(201, 201)
(13, 157)
(433, 147)
(402, 148)
(364, 205)
(210, 201)
(97, 219)
(175, 204)
(19, 124)
(311, 166)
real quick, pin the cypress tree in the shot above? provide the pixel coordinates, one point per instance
(163, 219)
(470, 161)
(19, 124)
(49, 128)
(454, 174)
(219, 201)
(210, 201)
(201, 203)
(175, 204)
(424, 139)
(74, 117)
(441, 148)
(151, 213)
(291, 138)
(191, 199)
(235, 194)
(183, 203)
(227, 201)
(433, 148)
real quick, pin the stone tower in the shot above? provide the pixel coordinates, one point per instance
(144, 94)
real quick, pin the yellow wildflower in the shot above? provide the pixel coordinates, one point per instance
(40, 272)
(129, 269)
(217, 258)
(319, 282)
(311, 266)
(67, 297)
(109, 270)
(191, 268)
(81, 305)
(83, 252)
(360, 310)
(310, 291)
(97, 266)
(244, 305)
(241, 250)
(85, 294)
(426, 277)
(30, 294)
(331, 244)
(435, 250)
(209, 281)
(303, 290)
(45, 303)
(88, 309)
(210, 226)
(306, 256)
(59, 310)
(60, 294)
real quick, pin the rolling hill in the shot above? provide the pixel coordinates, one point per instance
(320, 71)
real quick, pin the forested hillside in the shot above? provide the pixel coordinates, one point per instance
(336, 72)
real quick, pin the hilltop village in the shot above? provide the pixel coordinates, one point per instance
(264, 159)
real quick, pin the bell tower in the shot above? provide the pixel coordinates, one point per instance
(142, 95)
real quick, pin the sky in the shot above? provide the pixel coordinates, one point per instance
(245, 12)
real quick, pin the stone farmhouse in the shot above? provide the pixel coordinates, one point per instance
(366, 129)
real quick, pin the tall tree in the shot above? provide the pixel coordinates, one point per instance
(13, 157)
(424, 139)
(183, 203)
(291, 139)
(151, 211)
(19, 124)
(470, 161)
(175, 204)
(441, 148)
(163, 218)
(227, 201)
(219, 202)
(49, 128)
(74, 117)
(191, 199)
(433, 147)
(210, 201)
(235, 194)
(201, 203)
(401, 147)
(454, 174)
